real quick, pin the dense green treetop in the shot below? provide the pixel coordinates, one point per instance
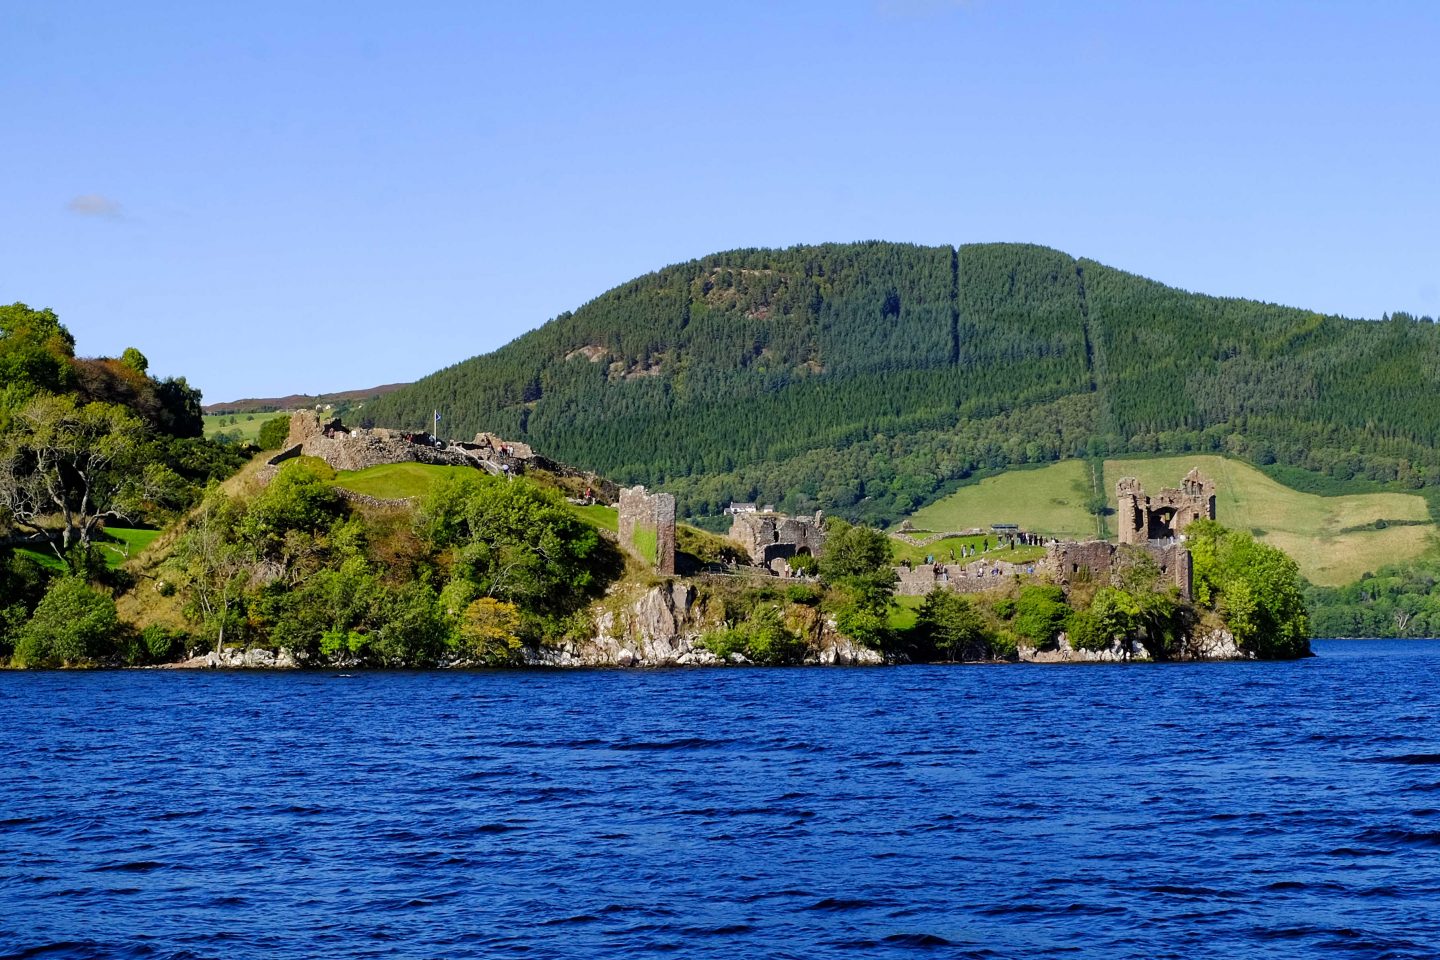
(1256, 588)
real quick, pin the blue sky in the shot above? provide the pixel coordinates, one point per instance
(279, 197)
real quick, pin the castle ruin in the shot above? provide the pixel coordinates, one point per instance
(646, 519)
(342, 448)
(1097, 560)
(1141, 519)
(770, 538)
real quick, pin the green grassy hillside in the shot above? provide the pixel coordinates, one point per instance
(1050, 500)
(395, 481)
(1334, 539)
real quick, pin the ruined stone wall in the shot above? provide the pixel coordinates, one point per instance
(977, 577)
(643, 515)
(358, 449)
(1071, 562)
(364, 499)
(303, 425)
(768, 537)
(1175, 563)
(1097, 560)
(1132, 515)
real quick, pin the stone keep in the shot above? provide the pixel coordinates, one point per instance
(1167, 514)
(768, 537)
(643, 515)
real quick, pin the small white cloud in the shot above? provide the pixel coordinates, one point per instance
(94, 205)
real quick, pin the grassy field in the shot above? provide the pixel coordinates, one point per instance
(246, 424)
(940, 549)
(45, 558)
(1334, 539)
(123, 544)
(1050, 500)
(395, 481)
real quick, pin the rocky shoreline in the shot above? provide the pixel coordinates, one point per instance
(664, 626)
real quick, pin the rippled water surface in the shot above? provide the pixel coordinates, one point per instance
(1215, 810)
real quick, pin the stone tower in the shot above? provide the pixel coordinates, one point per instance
(1167, 514)
(645, 519)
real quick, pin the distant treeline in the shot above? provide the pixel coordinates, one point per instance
(1398, 601)
(867, 378)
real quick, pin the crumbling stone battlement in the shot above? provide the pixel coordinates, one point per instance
(644, 516)
(1167, 513)
(768, 537)
(345, 449)
(977, 577)
(312, 435)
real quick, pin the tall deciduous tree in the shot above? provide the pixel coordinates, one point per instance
(66, 468)
(218, 565)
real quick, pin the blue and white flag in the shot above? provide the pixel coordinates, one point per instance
(437, 416)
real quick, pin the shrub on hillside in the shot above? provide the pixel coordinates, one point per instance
(72, 625)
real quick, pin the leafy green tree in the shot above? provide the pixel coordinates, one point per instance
(68, 466)
(515, 541)
(859, 562)
(412, 629)
(1084, 631)
(951, 623)
(22, 585)
(1117, 614)
(273, 433)
(1256, 588)
(72, 625)
(300, 498)
(35, 355)
(761, 637)
(490, 631)
(860, 559)
(1040, 613)
(865, 625)
(135, 360)
(180, 413)
(216, 565)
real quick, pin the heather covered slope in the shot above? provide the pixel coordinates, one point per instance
(870, 378)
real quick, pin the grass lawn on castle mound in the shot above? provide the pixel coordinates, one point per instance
(1334, 539)
(940, 550)
(396, 481)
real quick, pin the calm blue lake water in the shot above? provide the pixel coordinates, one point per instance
(1212, 810)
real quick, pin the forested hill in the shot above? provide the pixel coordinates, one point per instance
(865, 378)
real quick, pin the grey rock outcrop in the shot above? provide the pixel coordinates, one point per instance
(662, 627)
(1213, 644)
(254, 658)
